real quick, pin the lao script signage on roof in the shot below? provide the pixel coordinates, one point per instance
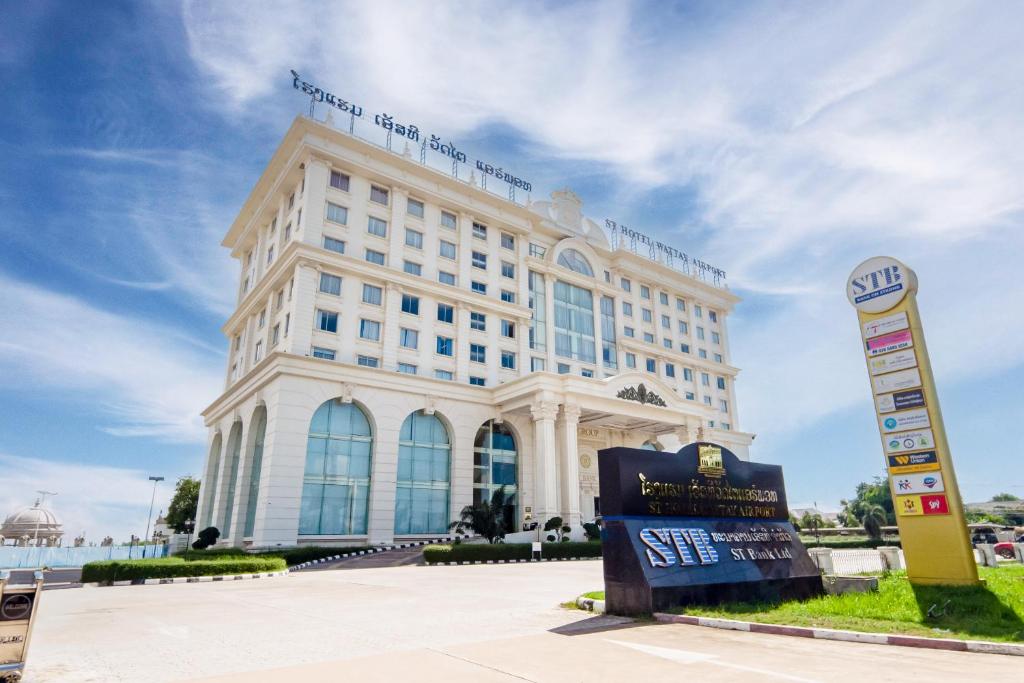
(408, 131)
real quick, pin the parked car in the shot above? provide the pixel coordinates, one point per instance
(1004, 549)
(983, 534)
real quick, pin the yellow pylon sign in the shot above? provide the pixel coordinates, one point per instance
(929, 510)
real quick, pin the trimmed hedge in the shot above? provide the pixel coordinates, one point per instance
(171, 567)
(482, 552)
(849, 543)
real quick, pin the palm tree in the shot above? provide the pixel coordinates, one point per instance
(484, 518)
(873, 519)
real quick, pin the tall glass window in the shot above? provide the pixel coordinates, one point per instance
(336, 483)
(608, 332)
(538, 305)
(231, 468)
(254, 474)
(574, 260)
(213, 466)
(421, 495)
(574, 322)
(495, 463)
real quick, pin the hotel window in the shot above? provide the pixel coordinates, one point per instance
(444, 374)
(702, 353)
(508, 269)
(712, 316)
(700, 333)
(630, 360)
(574, 322)
(670, 370)
(330, 284)
(378, 195)
(478, 381)
(688, 374)
(412, 268)
(508, 360)
(410, 304)
(414, 208)
(446, 249)
(376, 257)
(445, 313)
(680, 305)
(270, 255)
(478, 353)
(726, 426)
(685, 348)
(576, 262)
(446, 278)
(279, 302)
(629, 331)
(720, 381)
(369, 329)
(368, 361)
(608, 353)
(563, 368)
(716, 338)
(663, 298)
(683, 327)
(291, 201)
(707, 400)
(372, 295)
(448, 220)
(444, 346)
(334, 245)
(537, 250)
(409, 339)
(627, 309)
(479, 230)
(698, 311)
(626, 285)
(413, 238)
(666, 322)
(238, 342)
(648, 337)
(537, 364)
(586, 372)
(718, 358)
(705, 379)
(647, 315)
(478, 287)
(477, 321)
(259, 351)
(273, 227)
(287, 321)
(339, 181)
(298, 219)
(645, 292)
(407, 368)
(376, 226)
(690, 396)
(607, 276)
(667, 343)
(337, 214)
(479, 260)
(287, 232)
(508, 329)
(508, 241)
(320, 352)
(508, 296)
(652, 365)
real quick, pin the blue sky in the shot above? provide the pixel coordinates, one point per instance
(784, 143)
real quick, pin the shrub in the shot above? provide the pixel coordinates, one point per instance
(477, 552)
(210, 553)
(593, 531)
(571, 549)
(849, 543)
(206, 538)
(171, 567)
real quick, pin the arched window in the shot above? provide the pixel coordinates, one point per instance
(231, 470)
(574, 260)
(495, 463)
(254, 475)
(336, 485)
(424, 456)
(210, 488)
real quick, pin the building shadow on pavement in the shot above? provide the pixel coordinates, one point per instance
(596, 624)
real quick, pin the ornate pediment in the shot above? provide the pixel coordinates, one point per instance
(640, 394)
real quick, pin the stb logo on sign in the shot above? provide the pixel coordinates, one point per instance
(879, 283)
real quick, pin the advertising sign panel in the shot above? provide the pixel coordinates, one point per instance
(890, 323)
(922, 505)
(900, 400)
(895, 341)
(913, 462)
(927, 482)
(909, 441)
(908, 419)
(897, 381)
(879, 283)
(699, 525)
(891, 362)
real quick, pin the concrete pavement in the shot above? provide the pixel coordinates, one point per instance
(478, 622)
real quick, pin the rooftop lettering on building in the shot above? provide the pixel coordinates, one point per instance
(664, 253)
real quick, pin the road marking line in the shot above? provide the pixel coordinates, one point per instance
(690, 657)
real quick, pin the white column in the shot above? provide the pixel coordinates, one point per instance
(523, 337)
(314, 202)
(545, 504)
(306, 279)
(570, 474)
(389, 334)
(461, 342)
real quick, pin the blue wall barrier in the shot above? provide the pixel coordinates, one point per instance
(14, 557)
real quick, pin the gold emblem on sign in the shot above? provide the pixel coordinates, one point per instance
(585, 461)
(710, 461)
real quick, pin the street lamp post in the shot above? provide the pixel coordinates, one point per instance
(190, 524)
(155, 481)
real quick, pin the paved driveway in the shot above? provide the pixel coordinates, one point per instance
(479, 623)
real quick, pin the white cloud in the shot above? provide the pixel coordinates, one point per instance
(813, 136)
(149, 379)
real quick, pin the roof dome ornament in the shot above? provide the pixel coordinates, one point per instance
(33, 525)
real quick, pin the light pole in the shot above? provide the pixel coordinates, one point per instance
(39, 504)
(190, 524)
(155, 481)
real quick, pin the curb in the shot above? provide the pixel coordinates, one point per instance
(543, 559)
(371, 551)
(186, 579)
(982, 646)
(590, 605)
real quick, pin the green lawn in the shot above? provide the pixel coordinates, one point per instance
(992, 612)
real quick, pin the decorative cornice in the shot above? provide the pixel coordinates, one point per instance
(641, 394)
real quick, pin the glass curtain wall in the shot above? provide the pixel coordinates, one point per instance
(235, 446)
(574, 322)
(608, 333)
(254, 475)
(336, 484)
(424, 476)
(538, 305)
(495, 463)
(211, 482)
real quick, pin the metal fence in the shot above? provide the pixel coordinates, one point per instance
(857, 561)
(17, 557)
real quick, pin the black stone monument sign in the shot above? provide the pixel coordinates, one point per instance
(697, 526)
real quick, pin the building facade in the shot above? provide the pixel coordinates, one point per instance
(405, 343)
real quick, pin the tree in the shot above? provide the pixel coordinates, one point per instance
(873, 519)
(868, 493)
(1004, 498)
(555, 524)
(486, 518)
(183, 504)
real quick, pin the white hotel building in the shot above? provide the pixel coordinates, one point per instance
(406, 342)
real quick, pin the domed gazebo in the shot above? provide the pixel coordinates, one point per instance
(32, 526)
